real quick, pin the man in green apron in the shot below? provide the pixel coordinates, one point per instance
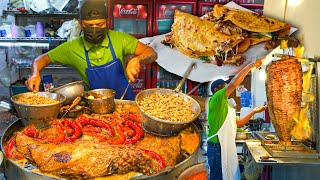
(98, 55)
(222, 152)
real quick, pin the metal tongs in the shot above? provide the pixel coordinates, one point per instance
(74, 103)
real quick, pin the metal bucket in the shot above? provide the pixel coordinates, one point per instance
(102, 105)
(38, 115)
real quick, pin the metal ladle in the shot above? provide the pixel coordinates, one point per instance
(125, 91)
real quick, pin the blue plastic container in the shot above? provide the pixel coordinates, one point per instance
(15, 89)
(245, 99)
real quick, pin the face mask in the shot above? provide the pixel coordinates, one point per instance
(94, 35)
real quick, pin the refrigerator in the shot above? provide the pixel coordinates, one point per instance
(134, 18)
(164, 11)
(205, 6)
(162, 21)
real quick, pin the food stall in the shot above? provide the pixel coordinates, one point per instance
(128, 139)
(301, 159)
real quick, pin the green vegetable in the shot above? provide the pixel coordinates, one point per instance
(273, 34)
(206, 58)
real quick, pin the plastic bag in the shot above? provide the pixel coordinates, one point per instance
(59, 4)
(5, 77)
(40, 5)
(69, 29)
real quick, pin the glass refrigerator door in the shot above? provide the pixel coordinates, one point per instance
(166, 12)
(168, 80)
(131, 19)
(205, 9)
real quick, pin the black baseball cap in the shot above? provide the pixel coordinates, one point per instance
(217, 83)
(93, 9)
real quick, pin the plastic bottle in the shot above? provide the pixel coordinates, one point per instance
(47, 82)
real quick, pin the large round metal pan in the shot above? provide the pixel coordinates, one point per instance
(163, 127)
(14, 171)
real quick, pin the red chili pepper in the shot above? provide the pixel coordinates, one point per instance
(139, 132)
(31, 131)
(157, 157)
(66, 129)
(132, 117)
(91, 128)
(9, 148)
(90, 121)
(77, 130)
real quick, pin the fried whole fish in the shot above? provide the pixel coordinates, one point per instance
(284, 95)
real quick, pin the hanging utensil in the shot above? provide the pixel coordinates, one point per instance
(74, 103)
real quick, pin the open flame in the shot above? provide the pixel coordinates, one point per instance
(302, 129)
(298, 51)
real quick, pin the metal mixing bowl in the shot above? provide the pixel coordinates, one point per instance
(165, 127)
(38, 115)
(101, 105)
(70, 91)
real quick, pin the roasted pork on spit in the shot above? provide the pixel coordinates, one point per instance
(284, 95)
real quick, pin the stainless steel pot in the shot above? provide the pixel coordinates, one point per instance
(70, 91)
(15, 171)
(165, 127)
(38, 115)
(103, 105)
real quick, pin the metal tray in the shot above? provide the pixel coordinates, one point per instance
(295, 150)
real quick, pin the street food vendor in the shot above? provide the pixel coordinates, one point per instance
(98, 55)
(222, 152)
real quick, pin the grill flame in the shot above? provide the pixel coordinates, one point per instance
(302, 129)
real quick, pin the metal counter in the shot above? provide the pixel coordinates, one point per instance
(284, 168)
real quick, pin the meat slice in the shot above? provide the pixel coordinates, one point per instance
(86, 159)
(284, 95)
